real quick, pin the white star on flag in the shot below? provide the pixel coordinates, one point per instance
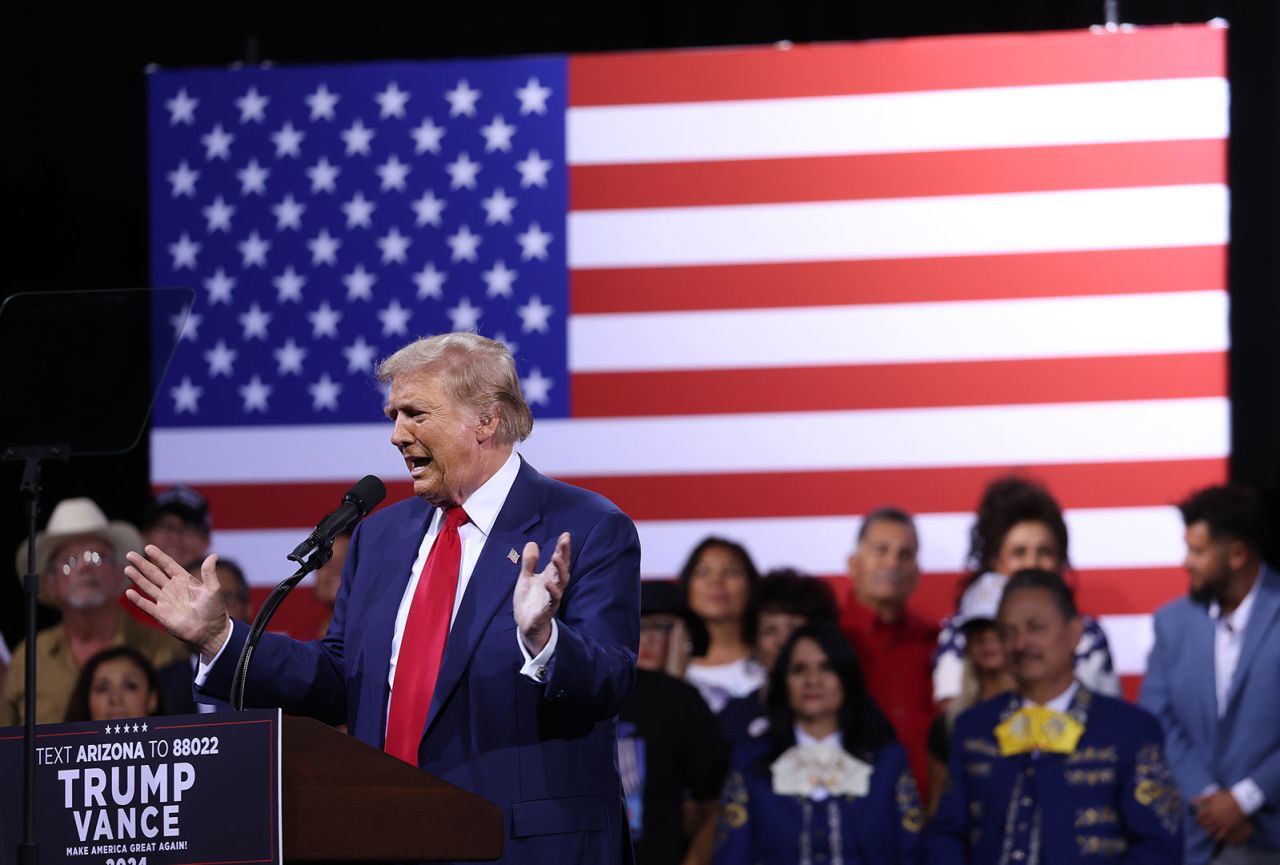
(184, 252)
(357, 137)
(391, 101)
(426, 137)
(324, 321)
(395, 319)
(360, 356)
(255, 395)
(219, 287)
(359, 283)
(394, 245)
(323, 175)
(499, 280)
(287, 140)
(430, 282)
(536, 387)
(359, 211)
(183, 179)
(186, 396)
(182, 108)
(393, 172)
(217, 143)
(218, 215)
(289, 358)
(462, 172)
(324, 393)
(534, 242)
(186, 326)
(533, 97)
(220, 359)
(253, 250)
(289, 286)
(464, 244)
(428, 208)
(324, 248)
(534, 315)
(533, 170)
(465, 316)
(498, 207)
(322, 102)
(252, 106)
(254, 322)
(253, 178)
(462, 99)
(497, 135)
(288, 213)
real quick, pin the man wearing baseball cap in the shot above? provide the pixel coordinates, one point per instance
(80, 560)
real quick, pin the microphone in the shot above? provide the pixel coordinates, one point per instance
(366, 495)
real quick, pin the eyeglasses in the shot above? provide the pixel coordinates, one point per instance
(89, 559)
(659, 626)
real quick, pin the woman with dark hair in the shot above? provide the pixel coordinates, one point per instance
(118, 682)
(719, 583)
(827, 782)
(1019, 525)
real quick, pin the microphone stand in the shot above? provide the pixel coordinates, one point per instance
(240, 678)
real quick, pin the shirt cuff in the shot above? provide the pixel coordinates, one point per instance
(1248, 796)
(202, 671)
(536, 668)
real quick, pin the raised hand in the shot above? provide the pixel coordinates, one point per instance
(537, 595)
(188, 607)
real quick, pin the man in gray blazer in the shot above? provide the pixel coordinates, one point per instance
(1212, 681)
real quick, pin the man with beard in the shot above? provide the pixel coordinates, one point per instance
(1211, 679)
(1053, 772)
(894, 647)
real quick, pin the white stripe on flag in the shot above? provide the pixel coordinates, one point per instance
(1131, 638)
(1107, 112)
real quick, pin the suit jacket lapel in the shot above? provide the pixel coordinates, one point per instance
(1266, 604)
(1200, 660)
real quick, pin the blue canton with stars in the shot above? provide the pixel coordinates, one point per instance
(326, 216)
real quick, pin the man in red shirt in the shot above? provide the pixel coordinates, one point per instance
(894, 646)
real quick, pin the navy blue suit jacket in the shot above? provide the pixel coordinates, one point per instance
(543, 752)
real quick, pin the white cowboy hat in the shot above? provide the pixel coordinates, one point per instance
(76, 518)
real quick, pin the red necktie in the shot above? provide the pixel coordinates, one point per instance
(422, 644)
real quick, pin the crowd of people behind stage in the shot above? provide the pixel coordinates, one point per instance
(781, 718)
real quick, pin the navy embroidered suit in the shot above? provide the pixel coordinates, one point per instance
(543, 752)
(1112, 800)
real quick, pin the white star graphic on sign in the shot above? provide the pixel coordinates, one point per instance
(357, 137)
(253, 250)
(533, 97)
(497, 135)
(184, 252)
(534, 315)
(321, 102)
(186, 396)
(219, 287)
(186, 326)
(501, 337)
(465, 316)
(324, 248)
(428, 208)
(391, 101)
(430, 282)
(182, 108)
(323, 175)
(533, 170)
(360, 356)
(289, 358)
(499, 280)
(393, 172)
(324, 321)
(255, 395)
(464, 244)
(324, 393)
(253, 178)
(498, 207)
(534, 242)
(462, 172)
(220, 359)
(462, 99)
(287, 140)
(395, 318)
(393, 245)
(218, 215)
(359, 283)
(255, 323)
(359, 211)
(144, 726)
(252, 106)
(536, 387)
(289, 286)
(183, 179)
(426, 136)
(288, 213)
(217, 143)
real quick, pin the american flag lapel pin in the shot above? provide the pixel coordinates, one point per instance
(513, 556)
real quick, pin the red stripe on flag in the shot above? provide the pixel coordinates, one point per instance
(897, 175)
(906, 280)
(941, 63)
(882, 386)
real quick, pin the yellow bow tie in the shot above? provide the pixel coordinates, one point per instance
(1037, 728)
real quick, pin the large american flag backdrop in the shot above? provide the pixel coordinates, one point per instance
(753, 292)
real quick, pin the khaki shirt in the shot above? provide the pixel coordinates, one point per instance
(56, 670)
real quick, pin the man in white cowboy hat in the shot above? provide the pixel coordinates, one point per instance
(80, 560)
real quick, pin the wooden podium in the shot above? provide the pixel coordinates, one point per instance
(344, 801)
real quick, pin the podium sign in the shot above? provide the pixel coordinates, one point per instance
(173, 790)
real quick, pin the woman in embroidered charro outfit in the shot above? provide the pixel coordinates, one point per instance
(827, 782)
(1054, 774)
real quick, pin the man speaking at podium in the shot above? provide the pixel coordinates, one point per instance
(449, 648)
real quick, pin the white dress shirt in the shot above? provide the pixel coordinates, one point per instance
(1228, 637)
(1060, 703)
